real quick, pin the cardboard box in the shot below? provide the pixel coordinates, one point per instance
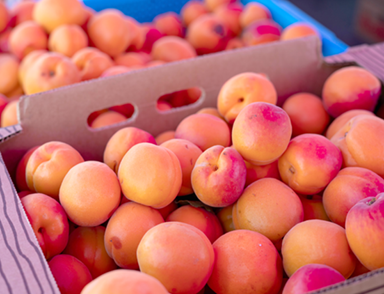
(61, 114)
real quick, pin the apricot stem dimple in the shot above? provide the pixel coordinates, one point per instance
(241, 99)
(373, 200)
(51, 73)
(292, 169)
(215, 168)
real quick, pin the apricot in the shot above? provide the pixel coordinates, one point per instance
(136, 34)
(234, 43)
(242, 90)
(364, 227)
(9, 114)
(47, 166)
(123, 281)
(27, 62)
(204, 220)
(125, 230)
(50, 71)
(4, 40)
(245, 262)
(207, 34)
(9, 66)
(310, 163)
(204, 130)
(342, 119)
(156, 184)
(230, 16)
(164, 137)
(261, 32)
(21, 181)
(151, 35)
(90, 193)
(257, 172)
(155, 63)
(262, 208)
(212, 111)
(298, 30)
(192, 10)
(87, 245)
(313, 207)
(119, 144)
(107, 118)
(317, 241)
(179, 255)
(67, 40)
(350, 88)
(218, 177)
(311, 277)
(71, 275)
(364, 231)
(4, 17)
(253, 12)
(225, 218)
(132, 59)
(91, 62)
(172, 48)
(360, 141)
(351, 185)
(49, 223)
(169, 24)
(51, 14)
(307, 114)
(108, 32)
(187, 153)
(261, 132)
(21, 12)
(167, 210)
(212, 5)
(163, 105)
(116, 70)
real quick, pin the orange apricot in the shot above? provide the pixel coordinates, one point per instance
(298, 30)
(67, 40)
(257, 172)
(27, 62)
(172, 48)
(212, 5)
(253, 12)
(22, 11)
(230, 16)
(164, 136)
(9, 66)
(9, 114)
(225, 218)
(192, 10)
(169, 24)
(129, 59)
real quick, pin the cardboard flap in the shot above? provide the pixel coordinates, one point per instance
(369, 57)
(8, 132)
(66, 109)
(23, 268)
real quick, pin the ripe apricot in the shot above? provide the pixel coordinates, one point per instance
(245, 262)
(207, 34)
(27, 62)
(169, 24)
(21, 181)
(261, 32)
(262, 208)
(21, 12)
(187, 153)
(310, 163)
(27, 37)
(48, 165)
(107, 118)
(125, 230)
(164, 137)
(9, 66)
(116, 70)
(313, 207)
(172, 48)
(155, 183)
(50, 71)
(123, 281)
(87, 245)
(261, 132)
(192, 10)
(342, 119)
(129, 59)
(212, 5)
(298, 30)
(225, 218)
(242, 90)
(307, 114)
(350, 88)
(4, 17)
(51, 14)
(317, 241)
(108, 32)
(204, 130)
(257, 172)
(205, 221)
(360, 141)
(90, 193)
(253, 12)
(119, 144)
(67, 39)
(91, 62)
(9, 114)
(179, 255)
(230, 16)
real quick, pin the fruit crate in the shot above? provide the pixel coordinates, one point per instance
(297, 66)
(283, 12)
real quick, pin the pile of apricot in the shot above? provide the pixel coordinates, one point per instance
(49, 44)
(248, 197)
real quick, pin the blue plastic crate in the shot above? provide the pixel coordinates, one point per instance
(283, 12)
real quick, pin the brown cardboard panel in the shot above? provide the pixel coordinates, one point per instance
(293, 67)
